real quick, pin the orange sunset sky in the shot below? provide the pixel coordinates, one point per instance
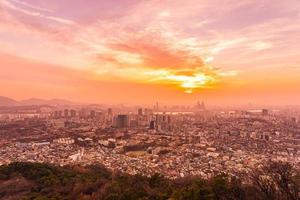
(141, 51)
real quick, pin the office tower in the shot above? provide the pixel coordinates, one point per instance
(109, 111)
(156, 107)
(149, 112)
(133, 123)
(163, 122)
(73, 113)
(140, 111)
(265, 112)
(200, 106)
(152, 125)
(99, 115)
(82, 113)
(59, 114)
(66, 113)
(56, 114)
(92, 114)
(122, 121)
(169, 118)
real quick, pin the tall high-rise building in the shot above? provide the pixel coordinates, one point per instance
(55, 114)
(265, 112)
(146, 111)
(163, 122)
(73, 113)
(140, 111)
(66, 113)
(152, 125)
(200, 106)
(92, 114)
(82, 113)
(122, 121)
(59, 114)
(156, 107)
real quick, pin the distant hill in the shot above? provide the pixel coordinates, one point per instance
(37, 101)
(5, 101)
(33, 101)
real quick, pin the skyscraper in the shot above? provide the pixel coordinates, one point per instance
(73, 113)
(122, 121)
(200, 106)
(66, 113)
(152, 125)
(92, 114)
(140, 111)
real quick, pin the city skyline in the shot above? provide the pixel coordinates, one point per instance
(136, 52)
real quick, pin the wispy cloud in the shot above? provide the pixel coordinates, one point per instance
(38, 8)
(10, 5)
(172, 42)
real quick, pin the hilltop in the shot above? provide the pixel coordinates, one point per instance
(44, 182)
(9, 102)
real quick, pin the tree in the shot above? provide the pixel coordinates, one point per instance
(275, 181)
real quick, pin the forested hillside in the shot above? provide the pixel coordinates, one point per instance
(46, 182)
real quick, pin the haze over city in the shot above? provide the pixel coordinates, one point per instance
(140, 52)
(150, 99)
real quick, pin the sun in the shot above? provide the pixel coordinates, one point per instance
(189, 83)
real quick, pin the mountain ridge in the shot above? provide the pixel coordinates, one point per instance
(6, 102)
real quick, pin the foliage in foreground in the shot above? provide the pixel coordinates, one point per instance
(35, 181)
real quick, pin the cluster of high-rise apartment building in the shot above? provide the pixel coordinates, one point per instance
(146, 141)
(143, 118)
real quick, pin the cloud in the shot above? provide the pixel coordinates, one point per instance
(137, 47)
(30, 6)
(170, 42)
(8, 4)
(259, 45)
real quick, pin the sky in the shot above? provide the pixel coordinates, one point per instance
(141, 51)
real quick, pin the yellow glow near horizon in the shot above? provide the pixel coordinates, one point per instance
(159, 50)
(186, 82)
(191, 82)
